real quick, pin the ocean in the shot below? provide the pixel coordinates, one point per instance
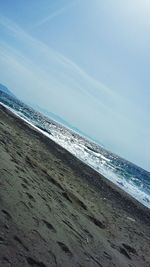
(126, 175)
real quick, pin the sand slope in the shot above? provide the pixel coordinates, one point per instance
(56, 211)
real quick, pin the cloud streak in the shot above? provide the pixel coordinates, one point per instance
(54, 14)
(50, 58)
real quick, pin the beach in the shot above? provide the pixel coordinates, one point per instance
(57, 211)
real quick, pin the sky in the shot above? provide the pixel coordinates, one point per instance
(88, 62)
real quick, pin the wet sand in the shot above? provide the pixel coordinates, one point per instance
(57, 211)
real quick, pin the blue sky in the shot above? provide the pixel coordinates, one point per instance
(88, 62)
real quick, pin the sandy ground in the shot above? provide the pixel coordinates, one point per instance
(56, 211)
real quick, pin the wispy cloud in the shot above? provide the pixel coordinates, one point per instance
(56, 71)
(54, 66)
(55, 14)
(46, 77)
(49, 58)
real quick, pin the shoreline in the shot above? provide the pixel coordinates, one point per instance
(114, 182)
(92, 221)
(111, 184)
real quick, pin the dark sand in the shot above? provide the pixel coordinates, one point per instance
(57, 211)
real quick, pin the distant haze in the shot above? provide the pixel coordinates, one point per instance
(86, 61)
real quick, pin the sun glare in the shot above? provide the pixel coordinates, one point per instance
(138, 8)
